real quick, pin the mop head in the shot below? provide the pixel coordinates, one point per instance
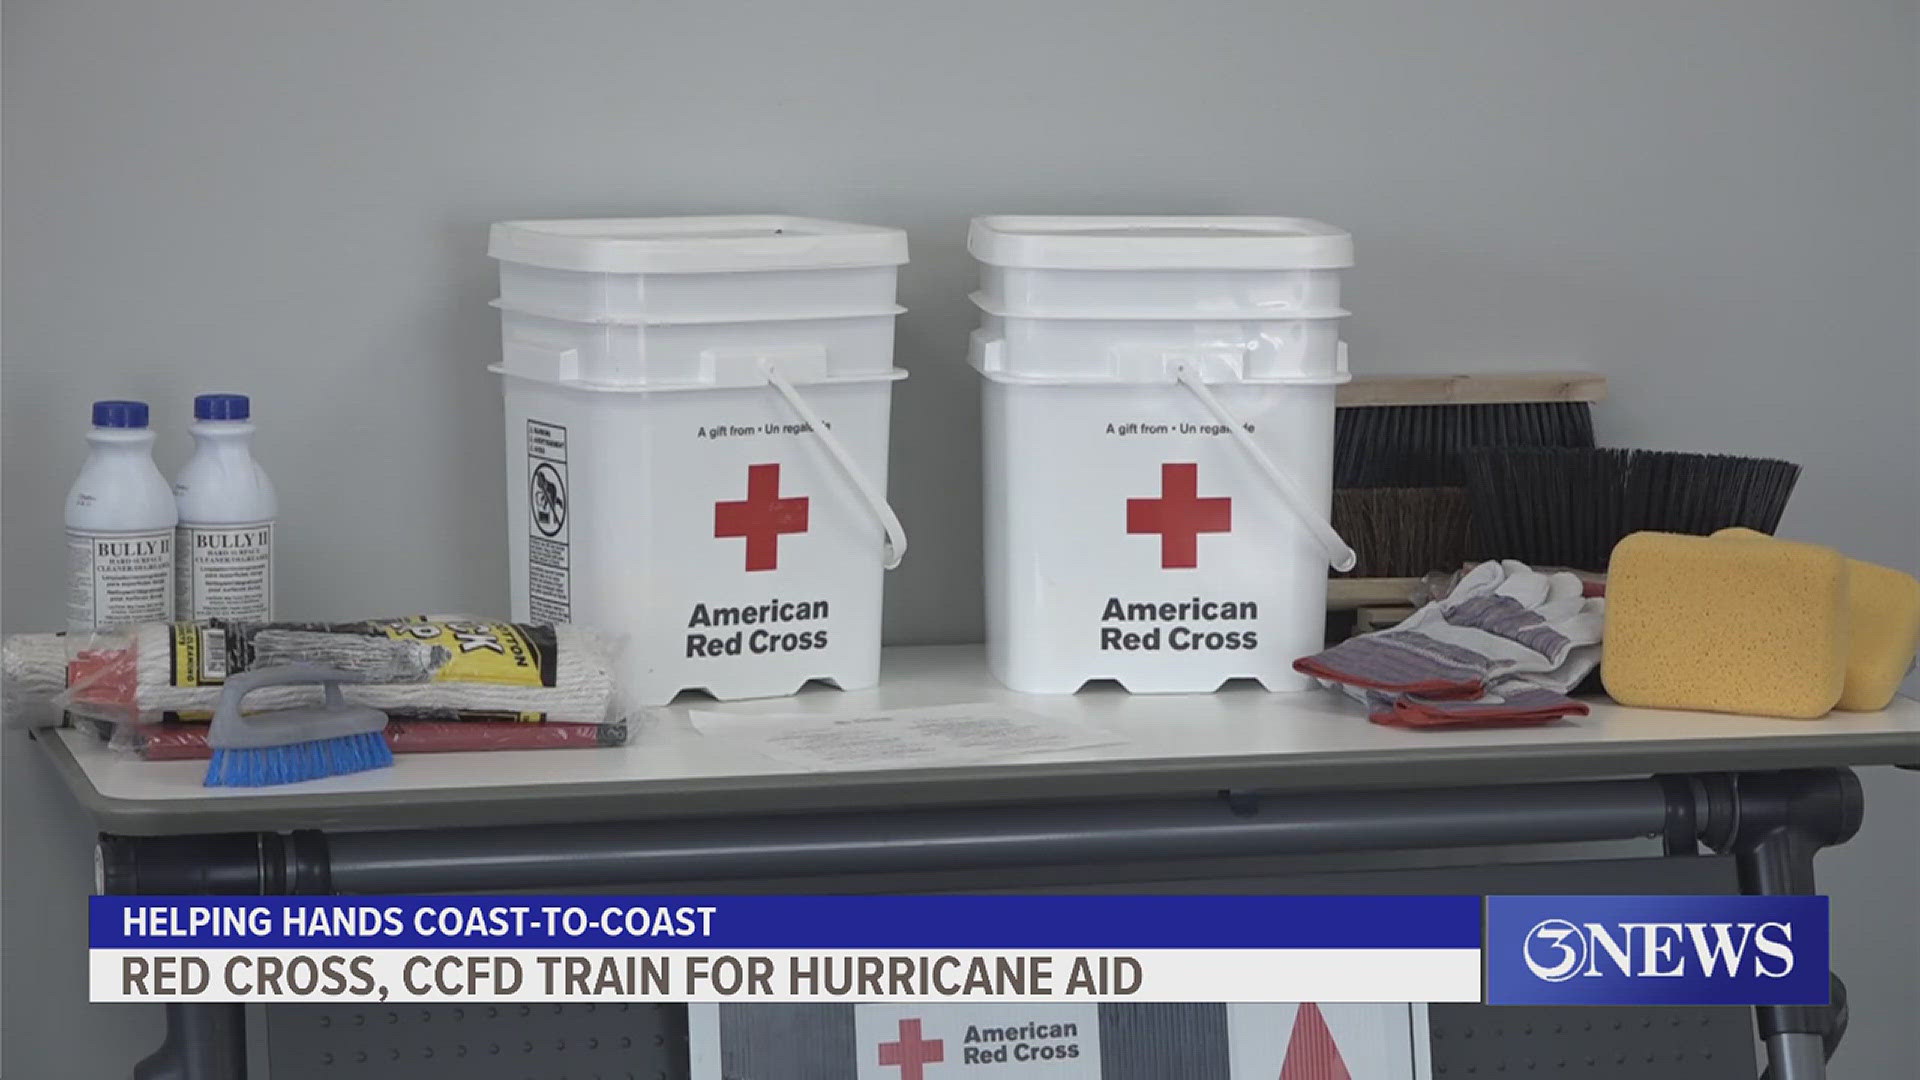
(441, 669)
(33, 672)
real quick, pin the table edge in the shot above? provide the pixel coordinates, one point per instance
(653, 800)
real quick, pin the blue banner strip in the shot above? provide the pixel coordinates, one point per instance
(788, 922)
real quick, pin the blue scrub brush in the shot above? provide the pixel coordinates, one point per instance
(290, 745)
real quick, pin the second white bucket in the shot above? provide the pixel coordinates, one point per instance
(1158, 413)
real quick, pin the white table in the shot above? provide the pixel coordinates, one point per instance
(1240, 772)
(1241, 738)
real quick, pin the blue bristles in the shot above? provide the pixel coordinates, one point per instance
(267, 766)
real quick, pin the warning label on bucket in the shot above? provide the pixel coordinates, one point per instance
(549, 570)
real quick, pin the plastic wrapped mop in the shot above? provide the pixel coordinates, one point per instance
(414, 668)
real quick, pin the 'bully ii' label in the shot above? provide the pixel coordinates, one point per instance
(224, 571)
(549, 531)
(119, 578)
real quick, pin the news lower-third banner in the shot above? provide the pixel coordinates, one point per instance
(902, 949)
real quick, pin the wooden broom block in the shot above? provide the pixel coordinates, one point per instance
(1346, 594)
(1492, 388)
(1353, 594)
(1366, 620)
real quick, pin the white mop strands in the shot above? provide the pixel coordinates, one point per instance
(466, 669)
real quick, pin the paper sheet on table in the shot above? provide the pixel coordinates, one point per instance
(902, 738)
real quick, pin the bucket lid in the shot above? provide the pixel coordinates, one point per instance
(1076, 242)
(693, 245)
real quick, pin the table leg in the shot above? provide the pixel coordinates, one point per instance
(1784, 820)
(1796, 1056)
(204, 1042)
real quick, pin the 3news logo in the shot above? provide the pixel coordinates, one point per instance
(1657, 950)
(1557, 950)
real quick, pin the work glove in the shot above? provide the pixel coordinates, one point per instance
(1505, 703)
(1504, 621)
(1510, 702)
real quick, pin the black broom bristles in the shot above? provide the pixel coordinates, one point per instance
(1568, 507)
(1403, 532)
(1421, 445)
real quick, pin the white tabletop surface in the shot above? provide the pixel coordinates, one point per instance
(1168, 742)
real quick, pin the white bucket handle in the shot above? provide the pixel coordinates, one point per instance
(876, 500)
(1339, 555)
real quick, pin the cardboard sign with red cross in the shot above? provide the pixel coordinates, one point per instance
(940, 1040)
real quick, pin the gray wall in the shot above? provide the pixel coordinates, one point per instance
(1715, 204)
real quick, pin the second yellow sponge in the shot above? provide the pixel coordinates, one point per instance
(1884, 608)
(1697, 623)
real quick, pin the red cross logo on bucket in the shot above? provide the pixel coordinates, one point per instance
(912, 1053)
(762, 517)
(1179, 515)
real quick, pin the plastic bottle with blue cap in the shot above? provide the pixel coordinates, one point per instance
(120, 526)
(224, 549)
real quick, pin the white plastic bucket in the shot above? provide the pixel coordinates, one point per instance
(690, 354)
(1159, 453)
(1107, 347)
(695, 269)
(706, 475)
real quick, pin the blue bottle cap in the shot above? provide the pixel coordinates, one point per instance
(120, 414)
(222, 407)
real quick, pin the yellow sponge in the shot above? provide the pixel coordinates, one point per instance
(1884, 608)
(1696, 623)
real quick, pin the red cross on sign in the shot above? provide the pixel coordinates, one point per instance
(912, 1053)
(762, 517)
(1311, 1052)
(1179, 515)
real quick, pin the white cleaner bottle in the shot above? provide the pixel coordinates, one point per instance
(120, 522)
(224, 551)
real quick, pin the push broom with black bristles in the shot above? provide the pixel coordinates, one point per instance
(1410, 431)
(1569, 507)
(286, 746)
(1400, 442)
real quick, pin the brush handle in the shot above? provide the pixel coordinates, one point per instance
(1339, 555)
(232, 730)
(298, 673)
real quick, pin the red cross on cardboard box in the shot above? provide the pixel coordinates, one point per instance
(1179, 515)
(912, 1054)
(762, 517)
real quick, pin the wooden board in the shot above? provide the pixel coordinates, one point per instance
(1346, 594)
(1492, 388)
